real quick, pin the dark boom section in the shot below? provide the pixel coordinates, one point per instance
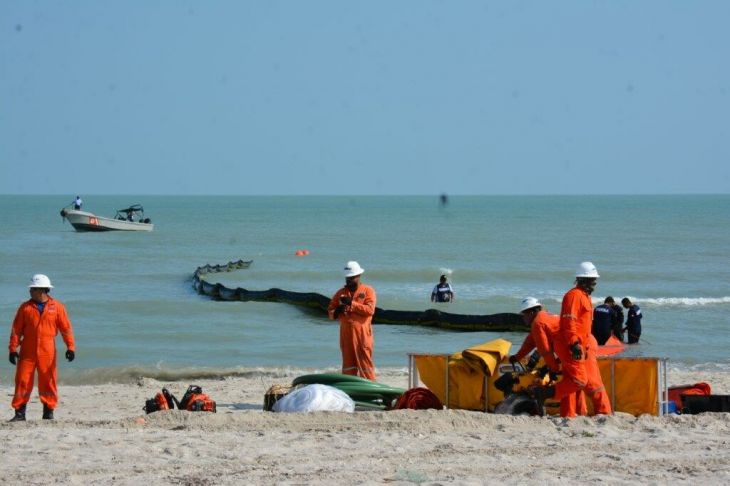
(503, 322)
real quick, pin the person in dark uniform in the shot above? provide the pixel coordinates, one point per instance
(633, 320)
(442, 292)
(603, 318)
(617, 326)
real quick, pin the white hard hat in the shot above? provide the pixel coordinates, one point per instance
(587, 270)
(40, 281)
(529, 303)
(352, 269)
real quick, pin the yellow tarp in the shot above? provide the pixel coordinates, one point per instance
(631, 383)
(485, 357)
(466, 373)
(634, 387)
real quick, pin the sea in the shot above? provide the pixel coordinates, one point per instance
(135, 313)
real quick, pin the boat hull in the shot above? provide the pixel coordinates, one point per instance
(84, 221)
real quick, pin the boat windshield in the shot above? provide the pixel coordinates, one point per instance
(129, 213)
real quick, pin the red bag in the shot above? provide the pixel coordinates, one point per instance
(195, 400)
(161, 401)
(418, 399)
(676, 392)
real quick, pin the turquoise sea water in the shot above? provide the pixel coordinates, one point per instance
(135, 313)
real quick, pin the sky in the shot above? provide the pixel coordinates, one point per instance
(236, 97)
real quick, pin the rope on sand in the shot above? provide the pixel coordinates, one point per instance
(503, 322)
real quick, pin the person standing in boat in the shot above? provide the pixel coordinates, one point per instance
(354, 306)
(442, 292)
(34, 330)
(633, 321)
(78, 203)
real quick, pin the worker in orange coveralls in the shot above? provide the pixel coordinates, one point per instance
(35, 327)
(576, 346)
(354, 306)
(544, 328)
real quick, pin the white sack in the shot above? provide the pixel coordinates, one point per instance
(315, 398)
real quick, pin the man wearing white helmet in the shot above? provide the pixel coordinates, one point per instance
(544, 327)
(354, 305)
(576, 346)
(34, 329)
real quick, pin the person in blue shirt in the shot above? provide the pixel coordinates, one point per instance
(633, 320)
(78, 203)
(617, 327)
(442, 292)
(603, 318)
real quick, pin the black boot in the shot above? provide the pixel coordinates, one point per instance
(19, 415)
(47, 413)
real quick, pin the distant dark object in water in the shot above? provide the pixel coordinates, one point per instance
(444, 199)
(504, 322)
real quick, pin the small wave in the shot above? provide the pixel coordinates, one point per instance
(660, 301)
(685, 301)
(714, 367)
(135, 374)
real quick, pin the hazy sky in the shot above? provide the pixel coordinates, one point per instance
(366, 97)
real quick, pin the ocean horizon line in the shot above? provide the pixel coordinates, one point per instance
(420, 195)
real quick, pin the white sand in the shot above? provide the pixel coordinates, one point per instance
(101, 436)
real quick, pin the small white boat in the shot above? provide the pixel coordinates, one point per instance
(127, 219)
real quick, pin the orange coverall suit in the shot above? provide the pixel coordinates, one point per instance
(356, 330)
(543, 331)
(35, 333)
(576, 319)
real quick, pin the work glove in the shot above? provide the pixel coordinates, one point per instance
(70, 355)
(513, 359)
(345, 300)
(576, 351)
(339, 310)
(13, 357)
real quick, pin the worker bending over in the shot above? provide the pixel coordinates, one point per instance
(544, 327)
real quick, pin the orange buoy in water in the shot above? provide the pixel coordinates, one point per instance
(301, 252)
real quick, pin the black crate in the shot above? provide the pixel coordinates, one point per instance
(705, 403)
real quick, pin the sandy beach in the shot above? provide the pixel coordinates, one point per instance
(102, 436)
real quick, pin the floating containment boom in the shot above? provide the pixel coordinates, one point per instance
(503, 322)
